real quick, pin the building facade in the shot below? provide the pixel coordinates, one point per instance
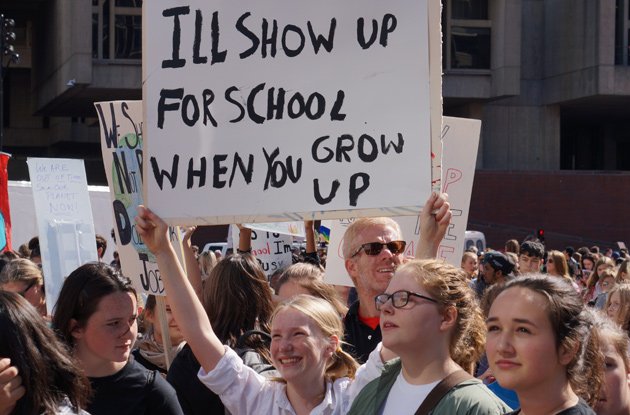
(550, 80)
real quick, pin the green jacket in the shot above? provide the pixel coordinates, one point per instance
(470, 397)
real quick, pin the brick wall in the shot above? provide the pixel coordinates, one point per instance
(573, 207)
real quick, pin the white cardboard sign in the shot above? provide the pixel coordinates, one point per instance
(272, 250)
(64, 220)
(265, 111)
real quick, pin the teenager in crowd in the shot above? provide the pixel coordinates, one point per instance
(539, 344)
(593, 287)
(237, 300)
(558, 267)
(95, 316)
(316, 374)
(623, 273)
(618, 305)
(530, 257)
(607, 283)
(24, 277)
(431, 319)
(149, 349)
(470, 264)
(614, 397)
(52, 382)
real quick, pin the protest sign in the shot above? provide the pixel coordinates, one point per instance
(272, 250)
(258, 111)
(5, 213)
(285, 228)
(460, 138)
(122, 148)
(64, 220)
(460, 144)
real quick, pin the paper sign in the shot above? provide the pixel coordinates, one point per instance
(262, 111)
(460, 139)
(121, 145)
(64, 220)
(272, 250)
(285, 228)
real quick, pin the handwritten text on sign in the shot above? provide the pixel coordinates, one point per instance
(263, 115)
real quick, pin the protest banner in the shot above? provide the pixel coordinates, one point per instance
(122, 147)
(272, 250)
(258, 111)
(23, 212)
(64, 220)
(5, 213)
(460, 144)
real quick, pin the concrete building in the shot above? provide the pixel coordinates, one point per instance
(550, 79)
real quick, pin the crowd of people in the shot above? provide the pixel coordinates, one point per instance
(520, 330)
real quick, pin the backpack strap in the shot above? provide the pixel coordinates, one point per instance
(441, 389)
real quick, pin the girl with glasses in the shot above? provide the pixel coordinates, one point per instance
(24, 277)
(539, 344)
(429, 318)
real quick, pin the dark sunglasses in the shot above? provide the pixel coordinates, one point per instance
(399, 299)
(375, 248)
(28, 287)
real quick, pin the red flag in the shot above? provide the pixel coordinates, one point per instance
(5, 215)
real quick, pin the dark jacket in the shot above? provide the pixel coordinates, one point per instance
(360, 339)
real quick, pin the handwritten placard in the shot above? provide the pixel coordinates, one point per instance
(122, 147)
(272, 250)
(261, 111)
(64, 220)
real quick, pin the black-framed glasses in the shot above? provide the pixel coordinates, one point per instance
(375, 248)
(28, 287)
(399, 299)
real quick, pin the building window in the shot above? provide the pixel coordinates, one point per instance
(117, 29)
(622, 33)
(467, 33)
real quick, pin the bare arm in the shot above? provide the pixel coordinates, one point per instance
(186, 306)
(434, 220)
(244, 239)
(309, 227)
(192, 266)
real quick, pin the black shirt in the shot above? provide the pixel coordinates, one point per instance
(581, 408)
(360, 337)
(134, 390)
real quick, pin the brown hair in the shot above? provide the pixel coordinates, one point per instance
(449, 286)
(571, 327)
(623, 314)
(624, 268)
(512, 246)
(237, 299)
(22, 270)
(560, 264)
(309, 277)
(592, 280)
(329, 323)
(608, 330)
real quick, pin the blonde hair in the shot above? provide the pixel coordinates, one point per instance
(21, 270)
(327, 320)
(207, 261)
(623, 314)
(594, 275)
(624, 268)
(449, 286)
(350, 246)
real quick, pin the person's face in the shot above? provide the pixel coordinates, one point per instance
(521, 345)
(299, 350)
(551, 266)
(33, 292)
(614, 307)
(615, 392)
(470, 265)
(408, 328)
(371, 273)
(173, 329)
(290, 289)
(489, 274)
(109, 333)
(607, 284)
(601, 268)
(587, 264)
(528, 264)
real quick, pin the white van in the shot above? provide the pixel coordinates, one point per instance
(475, 238)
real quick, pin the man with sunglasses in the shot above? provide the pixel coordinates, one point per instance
(373, 248)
